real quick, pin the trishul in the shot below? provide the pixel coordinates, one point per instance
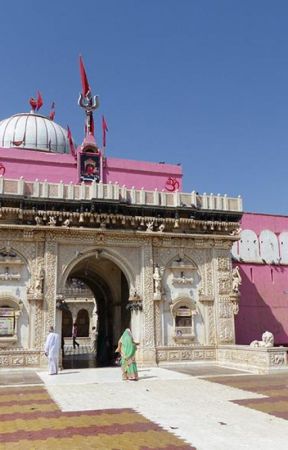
(89, 103)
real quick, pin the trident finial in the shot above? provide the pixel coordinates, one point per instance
(86, 101)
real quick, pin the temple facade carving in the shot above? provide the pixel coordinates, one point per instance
(174, 290)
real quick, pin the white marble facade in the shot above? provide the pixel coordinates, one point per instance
(182, 313)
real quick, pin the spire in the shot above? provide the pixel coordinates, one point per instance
(88, 102)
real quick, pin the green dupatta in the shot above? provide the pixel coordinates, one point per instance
(128, 346)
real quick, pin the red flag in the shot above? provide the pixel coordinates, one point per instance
(39, 101)
(84, 80)
(69, 134)
(104, 130)
(71, 143)
(52, 112)
(52, 115)
(33, 103)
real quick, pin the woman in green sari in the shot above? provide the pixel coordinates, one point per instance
(127, 348)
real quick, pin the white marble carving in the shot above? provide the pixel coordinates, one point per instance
(267, 340)
(236, 280)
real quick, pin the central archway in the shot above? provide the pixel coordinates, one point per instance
(105, 308)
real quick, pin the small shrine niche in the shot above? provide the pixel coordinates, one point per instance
(183, 312)
(183, 273)
(10, 310)
(10, 265)
(90, 165)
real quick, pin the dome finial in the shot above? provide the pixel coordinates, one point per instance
(36, 104)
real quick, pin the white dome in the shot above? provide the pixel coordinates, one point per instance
(32, 131)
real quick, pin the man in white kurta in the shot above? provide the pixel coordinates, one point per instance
(52, 348)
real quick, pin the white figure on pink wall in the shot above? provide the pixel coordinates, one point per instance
(248, 247)
(283, 244)
(269, 247)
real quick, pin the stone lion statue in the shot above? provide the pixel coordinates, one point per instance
(267, 340)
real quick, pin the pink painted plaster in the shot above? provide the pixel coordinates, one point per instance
(32, 165)
(54, 167)
(259, 222)
(264, 289)
(141, 174)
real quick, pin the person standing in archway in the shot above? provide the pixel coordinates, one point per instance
(127, 348)
(74, 335)
(52, 348)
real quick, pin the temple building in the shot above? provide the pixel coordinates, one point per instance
(113, 243)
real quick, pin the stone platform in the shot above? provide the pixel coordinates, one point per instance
(200, 406)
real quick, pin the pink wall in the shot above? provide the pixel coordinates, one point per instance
(264, 289)
(30, 164)
(141, 174)
(56, 167)
(259, 222)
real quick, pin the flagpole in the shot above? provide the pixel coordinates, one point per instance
(104, 130)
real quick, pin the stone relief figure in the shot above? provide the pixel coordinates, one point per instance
(150, 226)
(52, 221)
(38, 220)
(267, 340)
(66, 223)
(157, 277)
(39, 282)
(161, 227)
(236, 232)
(235, 307)
(236, 279)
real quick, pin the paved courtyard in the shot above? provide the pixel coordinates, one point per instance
(193, 406)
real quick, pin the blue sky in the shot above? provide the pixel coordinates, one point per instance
(203, 83)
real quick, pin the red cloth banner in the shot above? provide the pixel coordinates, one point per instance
(33, 103)
(84, 80)
(52, 112)
(39, 100)
(104, 130)
(71, 143)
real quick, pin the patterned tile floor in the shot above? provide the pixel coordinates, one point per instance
(274, 387)
(30, 419)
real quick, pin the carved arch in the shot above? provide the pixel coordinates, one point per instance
(7, 298)
(112, 255)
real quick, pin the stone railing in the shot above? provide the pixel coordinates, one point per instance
(78, 293)
(99, 191)
(255, 359)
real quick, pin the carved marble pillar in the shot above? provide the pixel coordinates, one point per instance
(158, 325)
(208, 302)
(135, 307)
(35, 322)
(35, 296)
(147, 352)
(51, 250)
(225, 316)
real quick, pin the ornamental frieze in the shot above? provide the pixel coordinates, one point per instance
(225, 308)
(224, 284)
(224, 264)
(226, 332)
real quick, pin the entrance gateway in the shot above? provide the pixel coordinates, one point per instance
(151, 261)
(96, 295)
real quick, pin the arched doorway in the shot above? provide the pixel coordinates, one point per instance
(83, 323)
(110, 290)
(67, 323)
